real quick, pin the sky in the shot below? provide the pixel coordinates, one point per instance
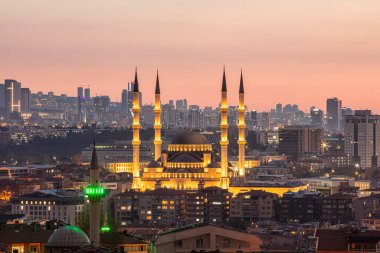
(292, 51)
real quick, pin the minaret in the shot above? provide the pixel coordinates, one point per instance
(241, 126)
(157, 121)
(136, 135)
(224, 183)
(95, 192)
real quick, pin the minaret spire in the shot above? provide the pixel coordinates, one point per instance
(94, 158)
(224, 183)
(241, 88)
(136, 82)
(224, 83)
(136, 184)
(157, 121)
(157, 84)
(241, 126)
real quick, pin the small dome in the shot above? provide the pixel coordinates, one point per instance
(213, 165)
(153, 164)
(190, 137)
(69, 236)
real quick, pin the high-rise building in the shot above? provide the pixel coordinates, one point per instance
(345, 111)
(334, 114)
(2, 99)
(80, 98)
(124, 101)
(316, 117)
(87, 93)
(362, 138)
(254, 118)
(12, 96)
(265, 121)
(25, 100)
(195, 118)
(80, 92)
(297, 140)
(279, 109)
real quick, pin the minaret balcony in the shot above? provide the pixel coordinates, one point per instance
(136, 142)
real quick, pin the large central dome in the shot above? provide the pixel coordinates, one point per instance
(190, 137)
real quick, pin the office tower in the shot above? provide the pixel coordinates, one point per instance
(195, 117)
(316, 117)
(79, 105)
(2, 99)
(80, 92)
(254, 118)
(87, 93)
(334, 114)
(265, 121)
(345, 111)
(101, 106)
(279, 109)
(124, 101)
(12, 97)
(362, 138)
(25, 100)
(224, 182)
(297, 140)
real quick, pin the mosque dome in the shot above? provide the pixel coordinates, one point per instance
(190, 137)
(68, 236)
(186, 158)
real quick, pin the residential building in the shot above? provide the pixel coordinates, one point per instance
(301, 206)
(362, 138)
(253, 206)
(207, 238)
(50, 204)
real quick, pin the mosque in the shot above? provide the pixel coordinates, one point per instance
(190, 162)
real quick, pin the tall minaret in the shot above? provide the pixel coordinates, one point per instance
(136, 135)
(241, 126)
(224, 183)
(95, 193)
(157, 121)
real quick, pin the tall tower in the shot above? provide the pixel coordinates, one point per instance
(136, 134)
(224, 183)
(241, 126)
(157, 121)
(95, 192)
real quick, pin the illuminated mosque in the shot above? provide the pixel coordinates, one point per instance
(190, 161)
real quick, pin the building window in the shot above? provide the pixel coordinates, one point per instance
(199, 243)
(178, 244)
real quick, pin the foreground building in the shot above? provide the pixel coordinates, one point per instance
(207, 238)
(50, 204)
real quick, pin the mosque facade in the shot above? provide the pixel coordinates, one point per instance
(190, 162)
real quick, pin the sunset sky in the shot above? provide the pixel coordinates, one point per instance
(293, 51)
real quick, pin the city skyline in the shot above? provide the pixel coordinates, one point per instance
(301, 53)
